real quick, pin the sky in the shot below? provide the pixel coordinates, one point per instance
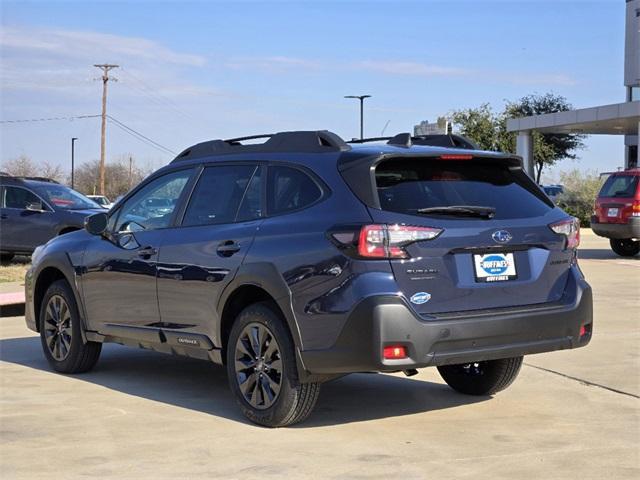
(194, 71)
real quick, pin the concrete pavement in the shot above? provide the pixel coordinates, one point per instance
(570, 414)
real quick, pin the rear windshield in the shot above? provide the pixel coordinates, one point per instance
(409, 185)
(623, 186)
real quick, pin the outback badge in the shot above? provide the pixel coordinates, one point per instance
(420, 298)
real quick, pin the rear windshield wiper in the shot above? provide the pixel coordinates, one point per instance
(460, 210)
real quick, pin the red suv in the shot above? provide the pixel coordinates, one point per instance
(617, 212)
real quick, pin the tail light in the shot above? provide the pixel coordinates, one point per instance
(388, 241)
(635, 208)
(570, 229)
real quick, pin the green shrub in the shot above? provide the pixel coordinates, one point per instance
(580, 192)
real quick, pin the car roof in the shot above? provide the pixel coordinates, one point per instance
(27, 181)
(303, 146)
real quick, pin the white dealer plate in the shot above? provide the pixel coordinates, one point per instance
(494, 267)
(612, 212)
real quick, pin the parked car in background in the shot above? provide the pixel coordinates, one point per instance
(616, 214)
(33, 210)
(302, 259)
(101, 200)
(553, 191)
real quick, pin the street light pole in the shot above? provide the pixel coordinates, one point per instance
(361, 98)
(73, 154)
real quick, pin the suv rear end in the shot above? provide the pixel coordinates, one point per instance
(483, 265)
(617, 212)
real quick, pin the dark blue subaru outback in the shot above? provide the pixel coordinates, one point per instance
(304, 258)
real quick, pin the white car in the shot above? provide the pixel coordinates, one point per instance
(101, 200)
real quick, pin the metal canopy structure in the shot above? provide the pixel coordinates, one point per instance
(616, 119)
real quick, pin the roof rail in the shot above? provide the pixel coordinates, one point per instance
(407, 140)
(20, 177)
(315, 141)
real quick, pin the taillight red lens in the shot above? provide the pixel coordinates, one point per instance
(387, 241)
(570, 229)
(394, 352)
(456, 157)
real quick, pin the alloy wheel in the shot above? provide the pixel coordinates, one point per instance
(57, 328)
(258, 366)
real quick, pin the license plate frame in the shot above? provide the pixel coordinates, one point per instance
(494, 267)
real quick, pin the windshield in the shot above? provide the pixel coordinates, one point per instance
(622, 186)
(63, 197)
(414, 186)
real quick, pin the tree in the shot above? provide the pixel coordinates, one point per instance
(480, 125)
(23, 166)
(118, 178)
(489, 130)
(580, 192)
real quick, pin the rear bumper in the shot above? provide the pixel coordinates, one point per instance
(453, 338)
(618, 231)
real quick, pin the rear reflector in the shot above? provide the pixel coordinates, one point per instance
(570, 229)
(387, 241)
(585, 329)
(394, 352)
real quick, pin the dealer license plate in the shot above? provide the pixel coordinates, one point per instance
(494, 267)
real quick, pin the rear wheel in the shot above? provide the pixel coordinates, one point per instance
(262, 369)
(482, 378)
(60, 332)
(626, 247)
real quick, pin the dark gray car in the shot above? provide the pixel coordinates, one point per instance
(34, 210)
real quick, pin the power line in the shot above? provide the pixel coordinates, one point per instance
(51, 119)
(139, 135)
(153, 95)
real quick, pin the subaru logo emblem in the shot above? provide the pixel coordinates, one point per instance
(502, 236)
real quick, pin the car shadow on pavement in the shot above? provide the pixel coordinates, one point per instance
(601, 254)
(202, 386)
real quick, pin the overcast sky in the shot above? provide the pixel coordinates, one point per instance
(193, 71)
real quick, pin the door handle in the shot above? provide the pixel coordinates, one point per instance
(4, 216)
(147, 252)
(228, 248)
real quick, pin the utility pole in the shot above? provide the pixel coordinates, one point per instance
(73, 151)
(361, 98)
(105, 67)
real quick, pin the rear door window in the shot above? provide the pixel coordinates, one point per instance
(290, 189)
(218, 195)
(621, 186)
(408, 185)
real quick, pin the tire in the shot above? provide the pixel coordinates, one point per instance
(6, 257)
(482, 378)
(626, 247)
(60, 332)
(265, 383)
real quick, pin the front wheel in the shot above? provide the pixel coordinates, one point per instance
(626, 247)
(262, 369)
(60, 332)
(482, 378)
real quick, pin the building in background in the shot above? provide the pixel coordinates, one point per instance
(441, 127)
(616, 119)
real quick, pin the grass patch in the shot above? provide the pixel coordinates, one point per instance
(15, 270)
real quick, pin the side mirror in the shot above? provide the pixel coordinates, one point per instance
(35, 207)
(96, 224)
